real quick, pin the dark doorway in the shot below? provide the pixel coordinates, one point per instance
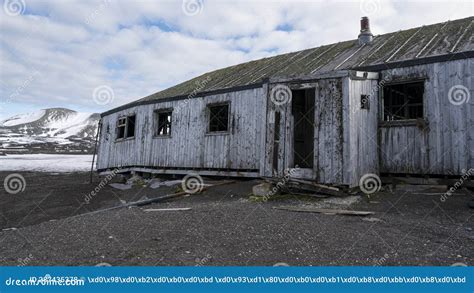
(303, 113)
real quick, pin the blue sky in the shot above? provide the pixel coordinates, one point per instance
(93, 55)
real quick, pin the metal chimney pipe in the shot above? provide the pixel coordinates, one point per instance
(365, 35)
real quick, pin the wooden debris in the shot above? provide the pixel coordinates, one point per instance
(167, 210)
(372, 219)
(173, 195)
(324, 211)
(306, 187)
(152, 200)
(314, 184)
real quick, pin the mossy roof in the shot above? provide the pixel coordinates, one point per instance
(416, 43)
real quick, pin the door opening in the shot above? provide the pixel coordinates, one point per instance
(303, 138)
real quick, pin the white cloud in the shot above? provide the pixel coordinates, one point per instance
(140, 47)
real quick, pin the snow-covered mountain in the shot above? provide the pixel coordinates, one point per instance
(49, 130)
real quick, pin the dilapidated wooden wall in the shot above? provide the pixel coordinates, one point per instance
(328, 133)
(444, 143)
(348, 141)
(189, 146)
(360, 132)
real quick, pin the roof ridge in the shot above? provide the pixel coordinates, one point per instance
(392, 46)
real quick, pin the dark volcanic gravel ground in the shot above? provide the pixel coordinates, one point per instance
(224, 227)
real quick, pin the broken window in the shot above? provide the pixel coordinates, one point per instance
(121, 125)
(130, 126)
(218, 118)
(403, 101)
(126, 127)
(163, 122)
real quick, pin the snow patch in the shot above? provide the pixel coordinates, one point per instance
(46, 163)
(23, 118)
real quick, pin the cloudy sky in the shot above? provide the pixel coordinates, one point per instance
(93, 55)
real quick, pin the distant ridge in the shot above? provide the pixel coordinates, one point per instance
(52, 130)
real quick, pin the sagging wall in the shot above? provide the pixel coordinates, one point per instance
(444, 143)
(189, 146)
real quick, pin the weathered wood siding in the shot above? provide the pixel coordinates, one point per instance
(447, 145)
(190, 146)
(360, 133)
(328, 133)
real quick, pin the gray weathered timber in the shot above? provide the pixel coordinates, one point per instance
(361, 144)
(446, 145)
(189, 146)
(349, 140)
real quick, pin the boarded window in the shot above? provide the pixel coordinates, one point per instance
(163, 122)
(403, 101)
(126, 127)
(218, 118)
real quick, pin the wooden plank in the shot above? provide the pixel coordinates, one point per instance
(324, 211)
(167, 210)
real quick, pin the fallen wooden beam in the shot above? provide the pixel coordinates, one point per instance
(167, 210)
(296, 186)
(324, 211)
(306, 186)
(173, 195)
(314, 184)
(151, 200)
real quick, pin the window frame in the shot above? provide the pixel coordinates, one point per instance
(120, 125)
(125, 125)
(208, 111)
(156, 121)
(365, 105)
(404, 105)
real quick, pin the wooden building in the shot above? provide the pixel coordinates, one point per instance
(397, 103)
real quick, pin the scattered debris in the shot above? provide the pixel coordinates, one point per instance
(338, 202)
(371, 219)
(157, 184)
(167, 210)
(324, 211)
(121, 186)
(306, 187)
(262, 189)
